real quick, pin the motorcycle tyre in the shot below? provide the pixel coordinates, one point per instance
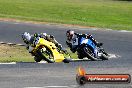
(44, 58)
(37, 59)
(88, 55)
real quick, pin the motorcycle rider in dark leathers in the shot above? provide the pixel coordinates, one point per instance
(72, 36)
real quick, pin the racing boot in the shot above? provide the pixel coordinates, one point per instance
(99, 44)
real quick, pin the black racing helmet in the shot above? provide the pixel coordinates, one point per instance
(70, 35)
(36, 35)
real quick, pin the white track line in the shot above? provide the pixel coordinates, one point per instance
(124, 31)
(9, 63)
(88, 29)
(70, 86)
(33, 87)
(55, 87)
(49, 87)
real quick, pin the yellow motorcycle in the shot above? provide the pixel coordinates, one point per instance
(49, 52)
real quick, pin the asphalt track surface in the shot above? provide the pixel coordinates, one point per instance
(61, 75)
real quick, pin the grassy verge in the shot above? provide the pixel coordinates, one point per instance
(12, 53)
(96, 13)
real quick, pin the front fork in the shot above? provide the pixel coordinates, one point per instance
(96, 53)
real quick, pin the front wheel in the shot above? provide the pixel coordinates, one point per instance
(37, 59)
(37, 56)
(89, 54)
(47, 55)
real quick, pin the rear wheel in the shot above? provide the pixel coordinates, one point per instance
(37, 56)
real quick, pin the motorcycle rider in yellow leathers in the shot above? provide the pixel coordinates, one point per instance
(30, 40)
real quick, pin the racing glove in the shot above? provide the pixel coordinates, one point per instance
(99, 44)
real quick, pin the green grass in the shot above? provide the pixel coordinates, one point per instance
(96, 13)
(12, 53)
